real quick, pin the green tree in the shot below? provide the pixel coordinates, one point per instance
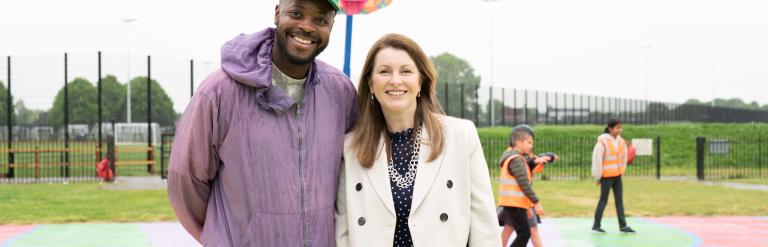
(162, 106)
(3, 104)
(24, 115)
(693, 102)
(453, 72)
(82, 104)
(113, 99)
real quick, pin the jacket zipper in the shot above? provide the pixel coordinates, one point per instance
(301, 177)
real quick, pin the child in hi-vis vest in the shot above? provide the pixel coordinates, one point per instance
(516, 195)
(609, 161)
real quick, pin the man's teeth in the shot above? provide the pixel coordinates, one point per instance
(396, 93)
(303, 41)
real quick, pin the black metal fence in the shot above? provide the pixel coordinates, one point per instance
(729, 158)
(165, 154)
(52, 107)
(488, 106)
(50, 161)
(575, 158)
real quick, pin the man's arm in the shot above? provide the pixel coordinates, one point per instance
(193, 163)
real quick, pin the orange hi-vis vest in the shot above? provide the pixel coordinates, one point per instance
(510, 193)
(613, 158)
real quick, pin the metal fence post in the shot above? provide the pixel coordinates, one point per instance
(447, 105)
(700, 141)
(9, 123)
(66, 117)
(150, 157)
(461, 99)
(658, 157)
(477, 105)
(191, 77)
(111, 153)
(525, 111)
(546, 107)
(162, 156)
(98, 156)
(491, 119)
(503, 105)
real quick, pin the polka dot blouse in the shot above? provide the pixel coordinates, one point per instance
(402, 148)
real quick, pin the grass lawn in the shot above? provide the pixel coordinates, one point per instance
(80, 202)
(648, 198)
(88, 202)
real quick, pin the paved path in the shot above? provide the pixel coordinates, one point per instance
(661, 231)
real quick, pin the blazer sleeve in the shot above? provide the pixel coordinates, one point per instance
(342, 230)
(483, 229)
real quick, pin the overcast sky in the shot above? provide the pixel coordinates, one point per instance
(698, 48)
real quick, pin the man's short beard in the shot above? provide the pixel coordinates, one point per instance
(292, 59)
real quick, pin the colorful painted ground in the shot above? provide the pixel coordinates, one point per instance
(662, 231)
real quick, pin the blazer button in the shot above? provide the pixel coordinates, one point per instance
(443, 217)
(359, 186)
(449, 184)
(361, 221)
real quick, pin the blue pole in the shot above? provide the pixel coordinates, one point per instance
(348, 45)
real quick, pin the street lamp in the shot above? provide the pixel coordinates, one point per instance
(490, 55)
(128, 70)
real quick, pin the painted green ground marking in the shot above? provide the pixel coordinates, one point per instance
(577, 232)
(84, 235)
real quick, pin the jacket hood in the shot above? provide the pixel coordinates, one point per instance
(248, 60)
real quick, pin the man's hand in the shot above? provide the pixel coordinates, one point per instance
(597, 182)
(539, 209)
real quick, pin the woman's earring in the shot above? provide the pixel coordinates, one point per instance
(371, 96)
(418, 95)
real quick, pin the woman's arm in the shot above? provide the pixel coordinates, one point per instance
(483, 223)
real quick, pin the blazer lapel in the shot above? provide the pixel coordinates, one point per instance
(379, 177)
(426, 172)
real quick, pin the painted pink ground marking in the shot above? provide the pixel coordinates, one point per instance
(10, 231)
(723, 231)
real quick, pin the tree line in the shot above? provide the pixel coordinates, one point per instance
(83, 104)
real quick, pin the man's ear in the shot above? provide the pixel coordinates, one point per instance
(277, 13)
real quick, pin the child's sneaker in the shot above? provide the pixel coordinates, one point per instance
(597, 230)
(626, 229)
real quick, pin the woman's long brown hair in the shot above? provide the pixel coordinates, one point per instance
(371, 125)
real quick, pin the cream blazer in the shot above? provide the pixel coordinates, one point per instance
(452, 199)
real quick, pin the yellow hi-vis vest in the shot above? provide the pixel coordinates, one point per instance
(510, 193)
(613, 158)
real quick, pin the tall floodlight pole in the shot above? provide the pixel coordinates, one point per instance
(128, 21)
(490, 56)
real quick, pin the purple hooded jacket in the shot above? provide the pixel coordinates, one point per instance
(246, 168)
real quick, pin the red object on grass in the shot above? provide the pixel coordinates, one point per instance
(103, 171)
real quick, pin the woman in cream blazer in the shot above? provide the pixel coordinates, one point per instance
(452, 201)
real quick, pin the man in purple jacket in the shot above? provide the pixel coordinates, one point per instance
(256, 155)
